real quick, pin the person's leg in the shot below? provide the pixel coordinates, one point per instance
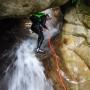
(40, 39)
(38, 30)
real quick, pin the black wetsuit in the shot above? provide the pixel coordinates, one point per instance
(37, 27)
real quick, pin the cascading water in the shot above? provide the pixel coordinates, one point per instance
(29, 72)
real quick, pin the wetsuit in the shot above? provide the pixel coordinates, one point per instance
(38, 23)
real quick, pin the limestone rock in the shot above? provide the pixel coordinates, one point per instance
(25, 7)
(72, 42)
(88, 36)
(73, 29)
(75, 64)
(72, 17)
(84, 12)
(75, 48)
(77, 69)
(84, 52)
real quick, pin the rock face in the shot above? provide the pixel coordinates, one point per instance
(25, 7)
(83, 8)
(75, 49)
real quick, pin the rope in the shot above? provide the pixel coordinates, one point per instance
(57, 59)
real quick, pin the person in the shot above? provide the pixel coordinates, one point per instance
(38, 24)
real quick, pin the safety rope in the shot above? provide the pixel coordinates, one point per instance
(57, 59)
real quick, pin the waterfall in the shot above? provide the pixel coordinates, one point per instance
(29, 71)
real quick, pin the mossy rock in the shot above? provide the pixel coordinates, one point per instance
(84, 12)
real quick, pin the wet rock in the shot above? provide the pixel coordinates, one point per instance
(74, 48)
(18, 8)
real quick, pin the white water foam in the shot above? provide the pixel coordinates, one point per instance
(29, 72)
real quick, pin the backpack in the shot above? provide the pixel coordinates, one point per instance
(37, 17)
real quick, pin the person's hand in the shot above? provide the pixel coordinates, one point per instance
(44, 29)
(48, 17)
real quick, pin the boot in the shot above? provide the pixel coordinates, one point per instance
(39, 50)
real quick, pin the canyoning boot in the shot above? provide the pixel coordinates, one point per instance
(39, 50)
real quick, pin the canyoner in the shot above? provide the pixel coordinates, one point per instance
(38, 25)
